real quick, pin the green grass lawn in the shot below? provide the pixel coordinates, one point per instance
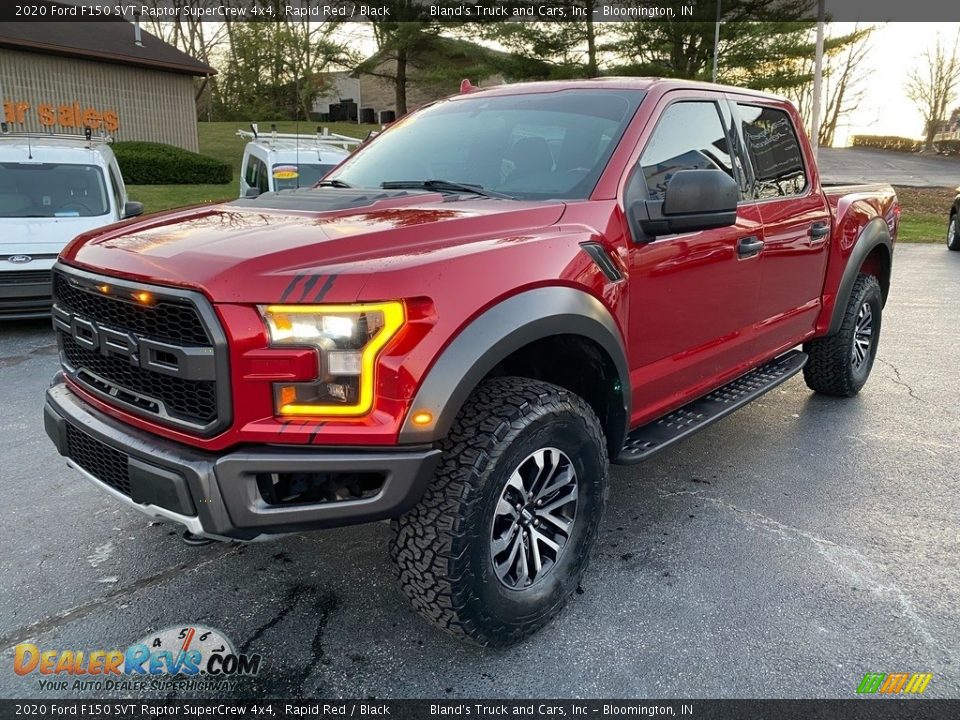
(924, 214)
(219, 140)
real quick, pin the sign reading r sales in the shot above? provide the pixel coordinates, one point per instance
(67, 115)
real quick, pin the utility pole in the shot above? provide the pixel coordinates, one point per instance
(716, 43)
(817, 79)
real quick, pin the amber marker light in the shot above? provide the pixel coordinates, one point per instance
(422, 418)
(143, 297)
(103, 288)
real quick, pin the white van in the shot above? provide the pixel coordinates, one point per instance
(282, 161)
(52, 188)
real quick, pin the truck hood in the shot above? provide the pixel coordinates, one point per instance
(246, 252)
(43, 236)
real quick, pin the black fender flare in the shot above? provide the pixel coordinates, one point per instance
(498, 332)
(874, 234)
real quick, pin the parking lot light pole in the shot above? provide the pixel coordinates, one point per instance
(817, 80)
(716, 42)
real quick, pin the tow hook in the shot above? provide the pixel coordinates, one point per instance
(196, 540)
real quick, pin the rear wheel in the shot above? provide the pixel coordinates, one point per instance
(953, 233)
(840, 364)
(503, 535)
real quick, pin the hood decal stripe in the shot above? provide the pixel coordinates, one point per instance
(309, 285)
(325, 289)
(290, 287)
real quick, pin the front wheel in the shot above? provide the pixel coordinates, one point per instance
(502, 537)
(840, 364)
(953, 233)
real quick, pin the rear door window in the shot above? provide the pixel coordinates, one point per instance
(774, 152)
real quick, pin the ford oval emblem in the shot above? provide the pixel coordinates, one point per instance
(19, 259)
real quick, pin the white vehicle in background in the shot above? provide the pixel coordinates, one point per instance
(52, 188)
(283, 161)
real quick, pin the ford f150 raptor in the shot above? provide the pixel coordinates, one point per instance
(462, 325)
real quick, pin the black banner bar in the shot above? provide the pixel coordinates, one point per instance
(459, 11)
(876, 708)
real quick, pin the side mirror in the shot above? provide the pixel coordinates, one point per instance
(132, 208)
(694, 200)
(252, 192)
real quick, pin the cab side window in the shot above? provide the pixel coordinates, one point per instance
(263, 176)
(117, 190)
(256, 175)
(689, 136)
(774, 152)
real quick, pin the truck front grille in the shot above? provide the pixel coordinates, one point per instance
(25, 277)
(164, 360)
(190, 400)
(104, 463)
(174, 322)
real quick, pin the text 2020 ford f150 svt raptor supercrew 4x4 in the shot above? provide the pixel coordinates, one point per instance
(464, 324)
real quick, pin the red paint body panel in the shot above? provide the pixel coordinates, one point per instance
(691, 314)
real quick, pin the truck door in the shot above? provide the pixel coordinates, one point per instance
(796, 220)
(693, 296)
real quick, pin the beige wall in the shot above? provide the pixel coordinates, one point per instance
(151, 104)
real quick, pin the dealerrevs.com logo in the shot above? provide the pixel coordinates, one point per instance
(181, 657)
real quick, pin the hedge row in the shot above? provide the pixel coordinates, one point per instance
(148, 163)
(948, 147)
(902, 144)
(887, 142)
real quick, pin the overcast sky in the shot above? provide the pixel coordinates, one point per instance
(895, 49)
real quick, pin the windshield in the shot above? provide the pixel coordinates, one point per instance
(50, 190)
(535, 146)
(290, 175)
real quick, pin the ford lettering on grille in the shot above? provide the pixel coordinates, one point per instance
(189, 363)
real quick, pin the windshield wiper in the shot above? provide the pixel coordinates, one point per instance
(333, 183)
(442, 186)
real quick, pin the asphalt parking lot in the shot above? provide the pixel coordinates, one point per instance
(857, 165)
(784, 552)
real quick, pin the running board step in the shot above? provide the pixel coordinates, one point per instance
(659, 434)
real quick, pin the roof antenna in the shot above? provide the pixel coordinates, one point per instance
(137, 40)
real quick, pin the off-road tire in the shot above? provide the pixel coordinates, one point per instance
(831, 369)
(953, 233)
(442, 547)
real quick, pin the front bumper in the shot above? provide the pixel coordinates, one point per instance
(217, 495)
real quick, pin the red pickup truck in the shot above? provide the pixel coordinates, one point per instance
(464, 324)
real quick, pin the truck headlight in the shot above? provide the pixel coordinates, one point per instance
(348, 339)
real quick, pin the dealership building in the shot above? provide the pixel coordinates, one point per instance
(63, 77)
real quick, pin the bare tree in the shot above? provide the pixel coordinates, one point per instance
(933, 85)
(193, 36)
(842, 83)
